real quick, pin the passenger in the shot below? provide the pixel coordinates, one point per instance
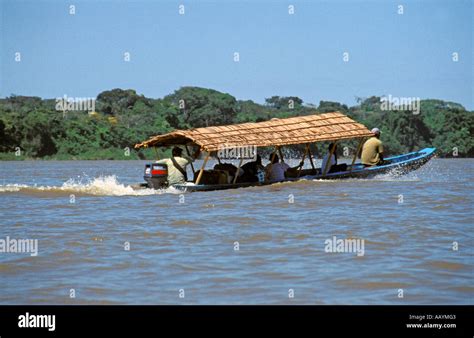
(275, 171)
(372, 151)
(333, 167)
(230, 169)
(177, 166)
(251, 170)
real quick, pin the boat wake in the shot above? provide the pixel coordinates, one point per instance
(386, 177)
(99, 186)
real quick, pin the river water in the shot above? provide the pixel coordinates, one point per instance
(102, 242)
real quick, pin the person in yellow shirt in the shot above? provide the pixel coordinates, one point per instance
(372, 151)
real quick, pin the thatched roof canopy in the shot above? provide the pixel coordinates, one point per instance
(276, 132)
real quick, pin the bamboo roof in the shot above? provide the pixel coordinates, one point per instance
(276, 132)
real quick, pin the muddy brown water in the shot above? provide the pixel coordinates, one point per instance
(183, 248)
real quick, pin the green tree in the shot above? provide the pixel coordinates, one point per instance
(284, 102)
(200, 107)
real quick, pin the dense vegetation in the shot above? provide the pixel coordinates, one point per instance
(31, 127)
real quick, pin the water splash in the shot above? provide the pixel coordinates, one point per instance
(106, 186)
(99, 186)
(397, 176)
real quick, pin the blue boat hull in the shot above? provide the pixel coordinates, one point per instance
(397, 165)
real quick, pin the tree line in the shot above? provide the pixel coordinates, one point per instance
(31, 127)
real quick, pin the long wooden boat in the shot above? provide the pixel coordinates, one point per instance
(396, 165)
(277, 133)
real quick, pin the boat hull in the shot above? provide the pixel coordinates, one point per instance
(396, 165)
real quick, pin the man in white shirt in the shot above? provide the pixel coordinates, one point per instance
(275, 171)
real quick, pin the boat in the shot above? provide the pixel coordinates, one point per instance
(276, 133)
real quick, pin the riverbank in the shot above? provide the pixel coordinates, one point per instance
(106, 154)
(117, 155)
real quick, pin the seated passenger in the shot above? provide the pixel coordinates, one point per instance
(177, 166)
(231, 170)
(251, 170)
(275, 171)
(372, 151)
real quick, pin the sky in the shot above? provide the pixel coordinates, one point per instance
(300, 54)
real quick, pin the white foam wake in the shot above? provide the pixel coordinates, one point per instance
(100, 186)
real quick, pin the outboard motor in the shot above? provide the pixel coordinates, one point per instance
(156, 175)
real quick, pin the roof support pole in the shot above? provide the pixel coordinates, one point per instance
(237, 171)
(274, 154)
(325, 171)
(357, 153)
(202, 168)
(281, 154)
(192, 167)
(267, 171)
(310, 156)
(304, 157)
(156, 153)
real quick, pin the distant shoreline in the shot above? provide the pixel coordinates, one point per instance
(117, 119)
(11, 157)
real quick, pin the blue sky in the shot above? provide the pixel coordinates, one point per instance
(408, 55)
